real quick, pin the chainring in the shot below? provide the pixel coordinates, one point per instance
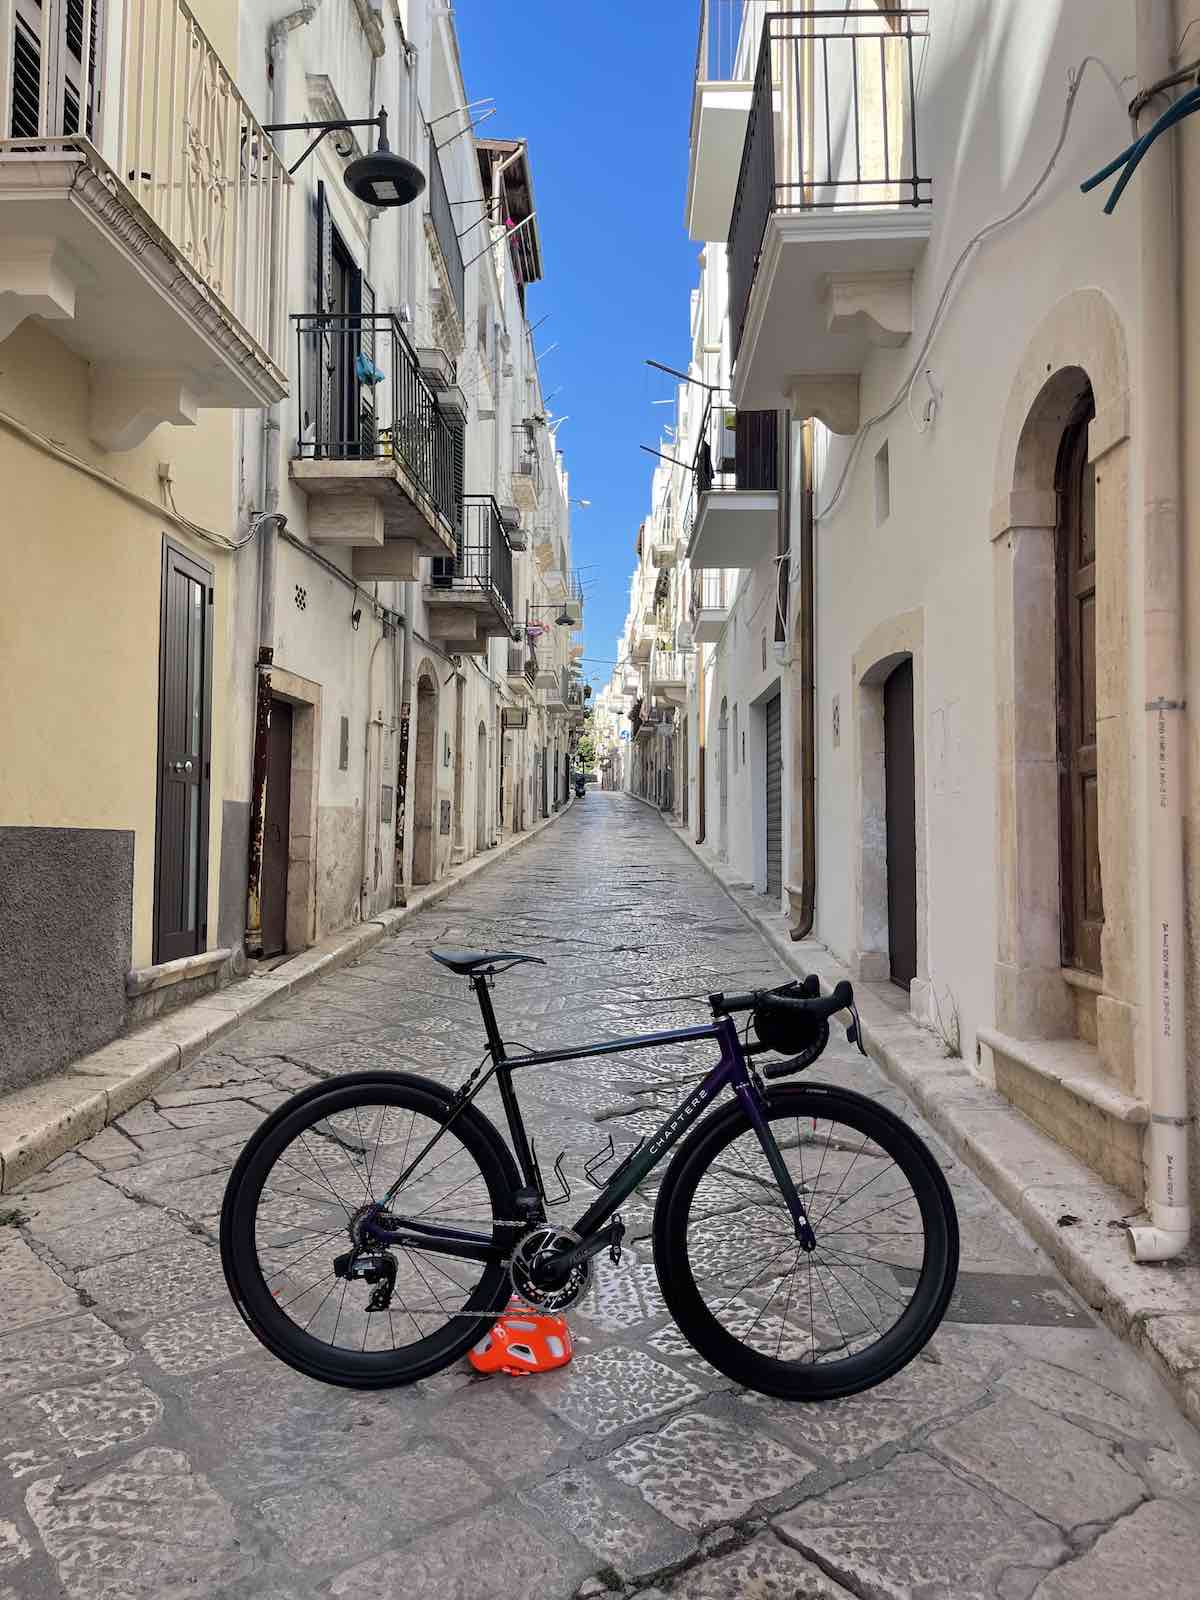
(532, 1251)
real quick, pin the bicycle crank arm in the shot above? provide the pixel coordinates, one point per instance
(565, 1261)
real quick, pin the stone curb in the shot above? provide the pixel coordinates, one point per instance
(43, 1121)
(1155, 1308)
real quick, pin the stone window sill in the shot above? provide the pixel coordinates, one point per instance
(1075, 1066)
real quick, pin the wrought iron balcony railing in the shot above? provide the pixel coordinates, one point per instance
(737, 449)
(842, 86)
(176, 134)
(362, 397)
(484, 562)
(526, 457)
(441, 215)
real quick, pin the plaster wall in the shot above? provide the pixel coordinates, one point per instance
(992, 101)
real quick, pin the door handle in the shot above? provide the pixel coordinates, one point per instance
(179, 766)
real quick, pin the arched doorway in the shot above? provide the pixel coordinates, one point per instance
(900, 811)
(1082, 900)
(425, 780)
(482, 837)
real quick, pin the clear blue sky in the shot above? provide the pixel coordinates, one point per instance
(601, 89)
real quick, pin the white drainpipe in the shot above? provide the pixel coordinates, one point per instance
(1166, 750)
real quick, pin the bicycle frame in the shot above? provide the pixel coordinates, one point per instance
(729, 1072)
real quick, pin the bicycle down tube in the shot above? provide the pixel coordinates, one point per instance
(729, 1071)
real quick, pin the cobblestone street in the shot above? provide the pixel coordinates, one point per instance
(151, 1448)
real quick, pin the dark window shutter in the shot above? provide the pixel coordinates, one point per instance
(365, 297)
(26, 83)
(323, 297)
(458, 446)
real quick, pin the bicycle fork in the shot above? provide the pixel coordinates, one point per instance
(751, 1104)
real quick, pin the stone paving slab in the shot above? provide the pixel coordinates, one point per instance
(149, 1447)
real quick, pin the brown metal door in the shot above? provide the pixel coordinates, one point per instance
(184, 733)
(901, 813)
(774, 800)
(1082, 899)
(276, 830)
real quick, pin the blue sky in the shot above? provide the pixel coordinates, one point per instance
(602, 91)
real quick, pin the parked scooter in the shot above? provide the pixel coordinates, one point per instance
(580, 786)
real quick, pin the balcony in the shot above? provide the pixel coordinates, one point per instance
(711, 597)
(558, 697)
(722, 92)
(470, 597)
(736, 487)
(831, 213)
(546, 675)
(526, 467)
(664, 544)
(668, 675)
(522, 667)
(443, 236)
(150, 235)
(377, 459)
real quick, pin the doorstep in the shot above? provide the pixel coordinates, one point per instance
(1154, 1307)
(44, 1120)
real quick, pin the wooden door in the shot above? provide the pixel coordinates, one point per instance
(1081, 895)
(901, 814)
(774, 766)
(184, 735)
(277, 830)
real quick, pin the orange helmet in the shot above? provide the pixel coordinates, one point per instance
(523, 1341)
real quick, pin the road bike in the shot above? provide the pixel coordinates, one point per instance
(805, 1240)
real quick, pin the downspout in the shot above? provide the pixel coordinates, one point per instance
(1160, 379)
(365, 889)
(268, 543)
(701, 753)
(808, 752)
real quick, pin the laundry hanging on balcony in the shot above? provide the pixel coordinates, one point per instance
(366, 371)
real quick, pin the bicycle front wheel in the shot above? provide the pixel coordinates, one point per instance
(292, 1209)
(807, 1325)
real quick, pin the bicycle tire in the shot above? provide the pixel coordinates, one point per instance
(261, 1307)
(688, 1286)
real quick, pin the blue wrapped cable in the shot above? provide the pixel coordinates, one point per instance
(1131, 157)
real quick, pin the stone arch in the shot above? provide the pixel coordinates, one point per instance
(886, 647)
(1078, 345)
(425, 831)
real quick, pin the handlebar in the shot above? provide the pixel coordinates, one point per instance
(820, 1006)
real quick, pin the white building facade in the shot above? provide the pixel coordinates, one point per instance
(931, 577)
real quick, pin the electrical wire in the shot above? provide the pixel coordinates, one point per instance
(1074, 82)
(61, 452)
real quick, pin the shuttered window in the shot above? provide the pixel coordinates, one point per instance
(48, 54)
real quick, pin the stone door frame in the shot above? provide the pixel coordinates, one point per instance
(1079, 343)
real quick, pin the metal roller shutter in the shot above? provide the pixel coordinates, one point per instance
(774, 800)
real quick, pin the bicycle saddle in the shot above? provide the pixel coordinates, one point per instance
(467, 961)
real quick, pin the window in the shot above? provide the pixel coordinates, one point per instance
(49, 34)
(883, 485)
(736, 745)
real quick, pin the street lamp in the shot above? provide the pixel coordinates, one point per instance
(380, 179)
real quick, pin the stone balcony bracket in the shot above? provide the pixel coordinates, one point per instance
(879, 304)
(831, 397)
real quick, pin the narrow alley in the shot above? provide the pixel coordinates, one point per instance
(150, 1447)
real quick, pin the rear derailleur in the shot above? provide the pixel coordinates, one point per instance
(374, 1267)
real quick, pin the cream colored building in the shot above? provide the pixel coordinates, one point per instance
(286, 538)
(935, 562)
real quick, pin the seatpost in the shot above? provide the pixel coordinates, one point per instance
(479, 982)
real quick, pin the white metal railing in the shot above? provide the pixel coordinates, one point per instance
(667, 666)
(710, 591)
(186, 145)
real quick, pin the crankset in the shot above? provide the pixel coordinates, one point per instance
(377, 1268)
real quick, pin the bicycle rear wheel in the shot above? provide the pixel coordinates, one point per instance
(796, 1324)
(290, 1211)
